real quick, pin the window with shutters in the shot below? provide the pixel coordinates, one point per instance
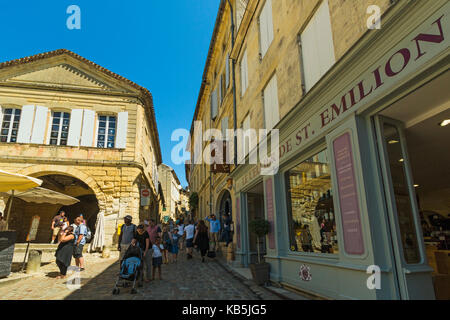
(224, 88)
(60, 128)
(214, 105)
(241, 5)
(317, 47)
(266, 27)
(244, 73)
(246, 127)
(227, 71)
(106, 135)
(224, 128)
(271, 107)
(10, 125)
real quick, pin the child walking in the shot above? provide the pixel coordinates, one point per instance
(166, 243)
(157, 257)
(174, 245)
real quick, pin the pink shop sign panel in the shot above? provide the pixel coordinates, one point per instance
(348, 195)
(270, 218)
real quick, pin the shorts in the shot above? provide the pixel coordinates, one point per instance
(78, 251)
(56, 231)
(190, 243)
(156, 262)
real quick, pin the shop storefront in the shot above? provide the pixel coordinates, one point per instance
(364, 180)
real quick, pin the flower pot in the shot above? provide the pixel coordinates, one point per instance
(7, 242)
(260, 272)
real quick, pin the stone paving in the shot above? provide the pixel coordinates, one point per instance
(185, 280)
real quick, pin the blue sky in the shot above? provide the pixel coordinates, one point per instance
(161, 45)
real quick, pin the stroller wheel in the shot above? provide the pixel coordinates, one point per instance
(116, 291)
(133, 291)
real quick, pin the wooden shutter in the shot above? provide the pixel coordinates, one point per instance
(244, 73)
(87, 133)
(214, 103)
(227, 71)
(26, 123)
(40, 124)
(317, 47)
(220, 90)
(1, 116)
(266, 27)
(122, 128)
(271, 108)
(76, 121)
(224, 128)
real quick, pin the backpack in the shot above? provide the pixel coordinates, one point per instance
(88, 234)
(129, 267)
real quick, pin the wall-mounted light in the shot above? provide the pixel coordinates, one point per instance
(445, 123)
(401, 160)
(393, 141)
(416, 186)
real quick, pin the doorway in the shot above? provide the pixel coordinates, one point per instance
(413, 138)
(255, 210)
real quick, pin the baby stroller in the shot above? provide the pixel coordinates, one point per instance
(131, 269)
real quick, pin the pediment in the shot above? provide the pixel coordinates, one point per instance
(62, 75)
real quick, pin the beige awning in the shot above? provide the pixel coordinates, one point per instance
(42, 195)
(13, 181)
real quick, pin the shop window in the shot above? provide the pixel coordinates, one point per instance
(60, 128)
(10, 125)
(312, 223)
(106, 136)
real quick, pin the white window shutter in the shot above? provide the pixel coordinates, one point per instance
(122, 129)
(214, 104)
(40, 124)
(324, 33)
(1, 116)
(224, 128)
(317, 46)
(271, 108)
(26, 123)
(263, 30)
(87, 134)
(76, 121)
(244, 73)
(220, 91)
(227, 71)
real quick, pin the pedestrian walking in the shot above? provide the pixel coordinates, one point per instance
(189, 231)
(201, 239)
(181, 235)
(126, 235)
(80, 240)
(166, 244)
(65, 251)
(57, 222)
(157, 257)
(175, 237)
(214, 225)
(142, 239)
(227, 225)
(154, 231)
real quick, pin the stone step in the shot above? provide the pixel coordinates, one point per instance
(44, 247)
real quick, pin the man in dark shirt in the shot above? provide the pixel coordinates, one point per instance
(57, 222)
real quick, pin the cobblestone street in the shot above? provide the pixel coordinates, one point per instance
(185, 280)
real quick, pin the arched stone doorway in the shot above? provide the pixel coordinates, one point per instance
(224, 205)
(22, 212)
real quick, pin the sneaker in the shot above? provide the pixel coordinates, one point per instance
(81, 269)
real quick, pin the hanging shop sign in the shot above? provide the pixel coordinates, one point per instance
(417, 49)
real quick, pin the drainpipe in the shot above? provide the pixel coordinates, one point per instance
(234, 84)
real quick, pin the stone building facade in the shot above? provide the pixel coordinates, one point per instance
(171, 187)
(84, 131)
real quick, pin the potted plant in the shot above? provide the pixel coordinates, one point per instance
(261, 270)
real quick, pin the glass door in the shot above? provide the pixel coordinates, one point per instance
(403, 214)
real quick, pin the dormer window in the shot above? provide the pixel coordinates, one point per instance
(10, 125)
(60, 128)
(106, 136)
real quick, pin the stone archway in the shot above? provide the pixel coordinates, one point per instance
(69, 181)
(224, 205)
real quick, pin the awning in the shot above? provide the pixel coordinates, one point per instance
(13, 181)
(42, 195)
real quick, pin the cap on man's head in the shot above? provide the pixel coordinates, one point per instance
(128, 217)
